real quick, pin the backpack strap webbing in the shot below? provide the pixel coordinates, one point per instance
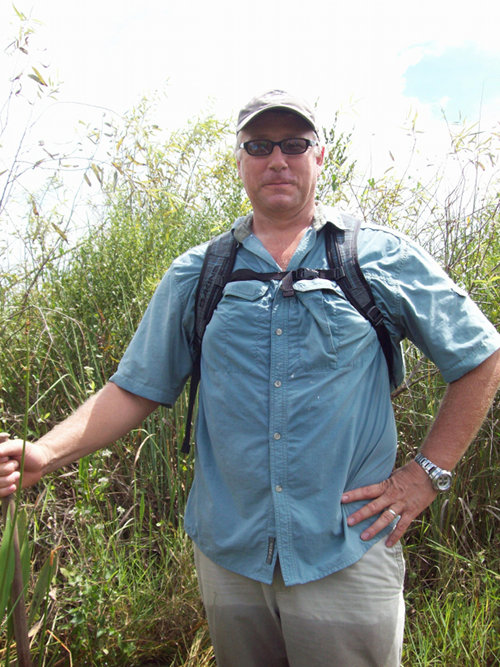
(215, 271)
(342, 252)
(288, 278)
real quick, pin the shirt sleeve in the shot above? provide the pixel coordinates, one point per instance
(424, 305)
(158, 359)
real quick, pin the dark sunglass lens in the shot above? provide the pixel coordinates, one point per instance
(259, 147)
(294, 146)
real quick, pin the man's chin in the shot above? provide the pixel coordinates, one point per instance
(280, 202)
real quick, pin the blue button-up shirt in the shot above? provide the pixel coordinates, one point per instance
(294, 402)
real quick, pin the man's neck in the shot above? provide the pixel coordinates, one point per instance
(284, 221)
(281, 234)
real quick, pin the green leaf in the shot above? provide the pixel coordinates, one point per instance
(38, 77)
(97, 171)
(59, 231)
(42, 585)
(24, 546)
(6, 565)
(20, 15)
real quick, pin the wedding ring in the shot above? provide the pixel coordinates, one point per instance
(392, 512)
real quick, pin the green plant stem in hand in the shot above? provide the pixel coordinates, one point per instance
(17, 592)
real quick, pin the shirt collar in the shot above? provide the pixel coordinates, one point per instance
(322, 214)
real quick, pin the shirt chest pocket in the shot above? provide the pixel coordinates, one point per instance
(325, 326)
(235, 340)
(312, 327)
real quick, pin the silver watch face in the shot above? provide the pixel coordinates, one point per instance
(440, 479)
(442, 482)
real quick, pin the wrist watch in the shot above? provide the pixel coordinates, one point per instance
(440, 479)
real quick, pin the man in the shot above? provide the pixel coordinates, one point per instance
(294, 483)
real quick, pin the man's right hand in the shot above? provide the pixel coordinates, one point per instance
(11, 452)
(101, 420)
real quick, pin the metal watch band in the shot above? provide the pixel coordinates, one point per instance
(441, 479)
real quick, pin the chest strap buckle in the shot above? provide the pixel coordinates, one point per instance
(293, 276)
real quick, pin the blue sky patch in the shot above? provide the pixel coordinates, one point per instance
(455, 81)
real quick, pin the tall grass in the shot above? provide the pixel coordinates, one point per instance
(121, 589)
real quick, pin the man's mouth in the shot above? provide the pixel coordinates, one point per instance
(278, 183)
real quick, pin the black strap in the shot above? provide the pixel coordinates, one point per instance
(288, 278)
(193, 388)
(342, 250)
(217, 265)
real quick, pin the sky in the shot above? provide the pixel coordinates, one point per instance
(379, 63)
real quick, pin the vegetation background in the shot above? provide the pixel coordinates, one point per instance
(108, 569)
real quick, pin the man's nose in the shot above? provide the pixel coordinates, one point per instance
(277, 159)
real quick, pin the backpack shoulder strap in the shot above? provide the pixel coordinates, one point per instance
(342, 253)
(217, 267)
(215, 271)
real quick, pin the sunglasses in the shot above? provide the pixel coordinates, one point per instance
(294, 146)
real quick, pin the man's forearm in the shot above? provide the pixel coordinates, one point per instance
(461, 413)
(102, 419)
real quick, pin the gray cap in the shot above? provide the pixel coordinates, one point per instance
(275, 99)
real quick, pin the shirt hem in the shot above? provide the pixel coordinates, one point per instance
(142, 390)
(297, 581)
(488, 347)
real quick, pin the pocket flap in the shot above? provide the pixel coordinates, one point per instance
(250, 290)
(317, 284)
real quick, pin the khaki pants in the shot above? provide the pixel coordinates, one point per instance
(352, 618)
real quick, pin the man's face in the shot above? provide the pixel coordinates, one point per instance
(278, 184)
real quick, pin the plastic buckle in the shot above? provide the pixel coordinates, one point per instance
(306, 274)
(375, 316)
(287, 285)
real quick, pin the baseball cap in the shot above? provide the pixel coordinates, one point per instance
(275, 99)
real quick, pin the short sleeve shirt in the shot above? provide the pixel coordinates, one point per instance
(294, 398)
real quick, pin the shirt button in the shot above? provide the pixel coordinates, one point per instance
(278, 332)
(278, 488)
(277, 436)
(277, 383)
